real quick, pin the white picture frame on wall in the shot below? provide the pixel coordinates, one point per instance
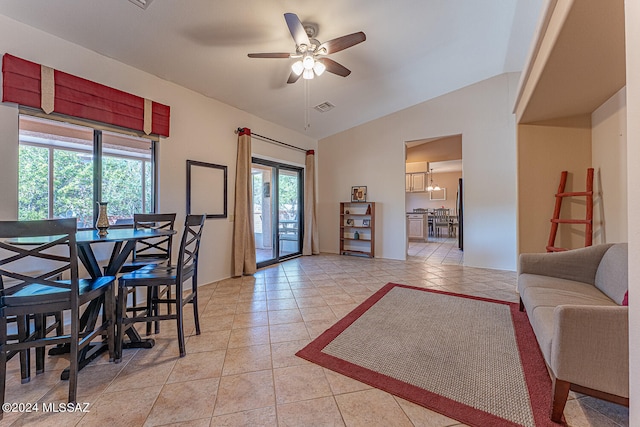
(438, 194)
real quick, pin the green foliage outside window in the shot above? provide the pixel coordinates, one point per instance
(288, 196)
(33, 184)
(73, 185)
(122, 186)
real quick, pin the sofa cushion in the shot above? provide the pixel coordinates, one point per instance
(612, 277)
(545, 297)
(552, 285)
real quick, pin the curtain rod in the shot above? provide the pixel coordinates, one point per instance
(267, 139)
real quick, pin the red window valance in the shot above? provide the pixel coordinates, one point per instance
(22, 83)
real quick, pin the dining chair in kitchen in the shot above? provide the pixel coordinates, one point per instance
(157, 276)
(49, 245)
(441, 220)
(453, 225)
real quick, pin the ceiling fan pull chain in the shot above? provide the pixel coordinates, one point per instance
(307, 123)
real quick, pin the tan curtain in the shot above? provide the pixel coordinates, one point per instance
(244, 244)
(310, 244)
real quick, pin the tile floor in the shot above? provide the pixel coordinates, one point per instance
(242, 371)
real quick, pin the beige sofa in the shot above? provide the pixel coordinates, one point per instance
(574, 301)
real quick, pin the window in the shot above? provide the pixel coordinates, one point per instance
(65, 169)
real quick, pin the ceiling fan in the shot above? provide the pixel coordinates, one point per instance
(311, 54)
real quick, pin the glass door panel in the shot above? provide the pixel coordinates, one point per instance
(277, 211)
(263, 212)
(288, 212)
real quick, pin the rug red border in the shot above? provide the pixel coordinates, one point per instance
(536, 375)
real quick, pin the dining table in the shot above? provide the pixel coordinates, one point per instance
(124, 241)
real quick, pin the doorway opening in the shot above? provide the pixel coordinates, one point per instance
(277, 210)
(434, 196)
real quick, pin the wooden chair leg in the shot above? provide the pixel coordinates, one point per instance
(59, 316)
(194, 302)
(150, 306)
(22, 324)
(73, 354)
(109, 313)
(121, 311)
(560, 395)
(40, 328)
(3, 361)
(179, 320)
(156, 307)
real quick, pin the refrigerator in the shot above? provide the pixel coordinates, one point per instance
(460, 210)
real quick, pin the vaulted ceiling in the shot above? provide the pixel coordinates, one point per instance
(415, 49)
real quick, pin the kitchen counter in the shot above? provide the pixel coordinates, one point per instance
(417, 226)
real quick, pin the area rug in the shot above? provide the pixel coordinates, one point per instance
(472, 359)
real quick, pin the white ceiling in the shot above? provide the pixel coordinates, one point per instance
(415, 49)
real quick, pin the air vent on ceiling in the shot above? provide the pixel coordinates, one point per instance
(324, 107)
(141, 3)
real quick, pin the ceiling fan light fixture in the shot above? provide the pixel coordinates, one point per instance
(297, 67)
(319, 68)
(308, 62)
(309, 53)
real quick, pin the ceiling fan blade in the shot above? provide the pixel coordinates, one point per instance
(296, 29)
(334, 67)
(293, 77)
(269, 55)
(341, 43)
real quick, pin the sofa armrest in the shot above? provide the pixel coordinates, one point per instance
(590, 347)
(579, 265)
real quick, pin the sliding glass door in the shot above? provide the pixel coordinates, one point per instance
(277, 211)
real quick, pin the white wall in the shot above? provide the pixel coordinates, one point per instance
(608, 151)
(373, 155)
(201, 129)
(632, 33)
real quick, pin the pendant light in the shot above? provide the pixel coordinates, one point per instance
(432, 186)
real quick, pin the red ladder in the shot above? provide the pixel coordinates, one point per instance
(588, 221)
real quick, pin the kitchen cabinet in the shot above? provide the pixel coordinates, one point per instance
(417, 227)
(417, 167)
(415, 182)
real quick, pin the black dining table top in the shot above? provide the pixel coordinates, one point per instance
(91, 236)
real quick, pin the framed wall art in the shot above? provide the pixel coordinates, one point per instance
(438, 194)
(206, 189)
(359, 194)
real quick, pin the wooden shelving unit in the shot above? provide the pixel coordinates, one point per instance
(357, 228)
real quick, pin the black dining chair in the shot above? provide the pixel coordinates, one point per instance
(20, 327)
(155, 250)
(151, 251)
(49, 246)
(186, 269)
